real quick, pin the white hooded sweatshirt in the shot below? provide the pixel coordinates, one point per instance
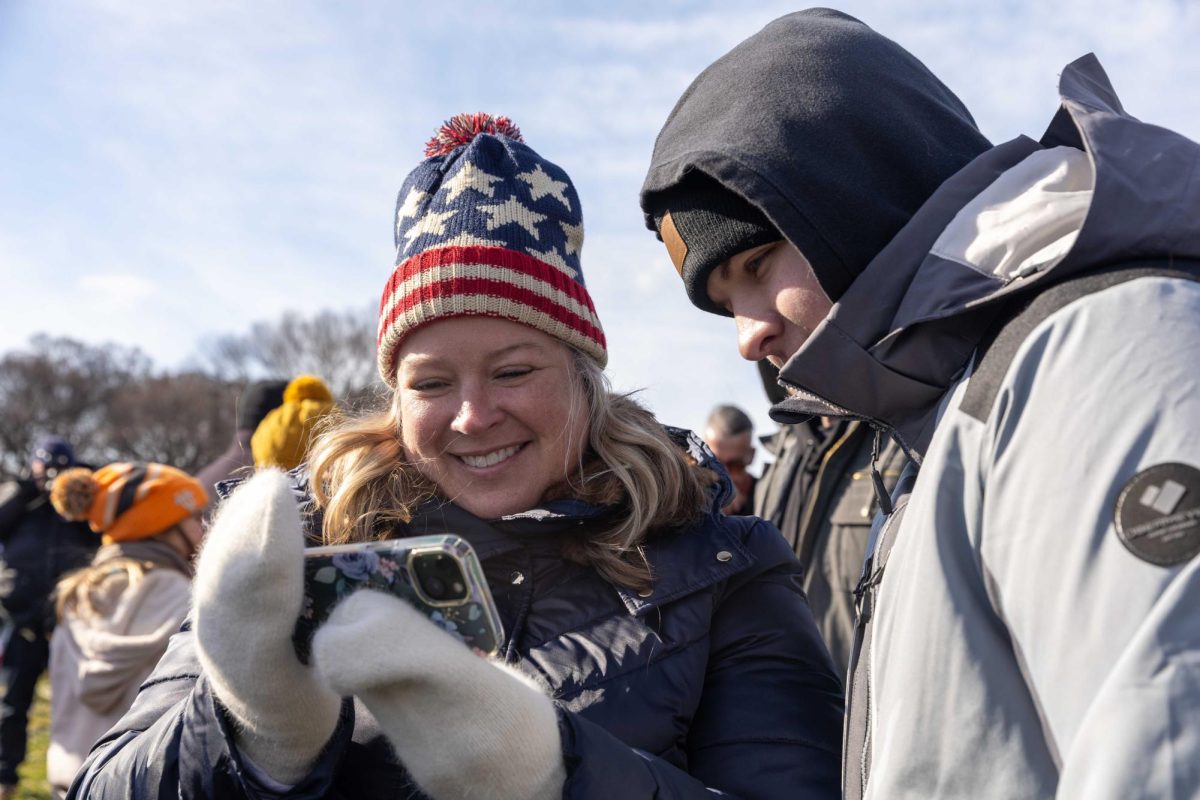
(97, 665)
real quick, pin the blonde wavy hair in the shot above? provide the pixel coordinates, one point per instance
(364, 484)
(94, 591)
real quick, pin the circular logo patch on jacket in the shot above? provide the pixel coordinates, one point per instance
(1158, 514)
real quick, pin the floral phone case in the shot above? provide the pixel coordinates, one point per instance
(410, 569)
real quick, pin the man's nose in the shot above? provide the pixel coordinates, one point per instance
(754, 337)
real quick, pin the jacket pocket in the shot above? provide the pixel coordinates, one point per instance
(850, 529)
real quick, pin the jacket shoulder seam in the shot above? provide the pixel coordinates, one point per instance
(186, 676)
(1000, 345)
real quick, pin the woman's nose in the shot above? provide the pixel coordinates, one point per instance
(476, 413)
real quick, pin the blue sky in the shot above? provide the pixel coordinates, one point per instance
(174, 170)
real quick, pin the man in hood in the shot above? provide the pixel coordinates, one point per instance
(1024, 321)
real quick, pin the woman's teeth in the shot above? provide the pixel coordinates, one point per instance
(491, 458)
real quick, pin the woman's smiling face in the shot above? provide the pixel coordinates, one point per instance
(489, 411)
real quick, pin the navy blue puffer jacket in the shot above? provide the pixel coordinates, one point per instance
(717, 682)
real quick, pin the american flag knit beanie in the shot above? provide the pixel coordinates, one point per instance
(487, 227)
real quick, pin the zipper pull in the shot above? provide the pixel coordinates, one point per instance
(862, 594)
(881, 493)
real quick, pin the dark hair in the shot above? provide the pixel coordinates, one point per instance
(258, 400)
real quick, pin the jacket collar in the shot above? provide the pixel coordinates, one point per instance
(866, 386)
(706, 553)
(699, 557)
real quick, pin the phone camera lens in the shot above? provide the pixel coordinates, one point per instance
(440, 577)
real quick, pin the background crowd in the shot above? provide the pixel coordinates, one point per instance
(114, 617)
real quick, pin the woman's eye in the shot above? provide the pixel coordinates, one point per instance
(429, 385)
(513, 373)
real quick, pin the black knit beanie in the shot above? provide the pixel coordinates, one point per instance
(706, 224)
(257, 401)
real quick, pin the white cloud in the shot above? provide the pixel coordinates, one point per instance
(117, 292)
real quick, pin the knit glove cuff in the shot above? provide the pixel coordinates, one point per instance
(249, 588)
(463, 726)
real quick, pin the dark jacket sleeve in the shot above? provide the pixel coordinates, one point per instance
(14, 497)
(176, 741)
(769, 723)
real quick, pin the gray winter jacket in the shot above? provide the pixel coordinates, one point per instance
(1030, 606)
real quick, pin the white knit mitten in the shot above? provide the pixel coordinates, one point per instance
(249, 588)
(461, 725)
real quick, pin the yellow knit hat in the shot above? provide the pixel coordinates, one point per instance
(283, 437)
(128, 501)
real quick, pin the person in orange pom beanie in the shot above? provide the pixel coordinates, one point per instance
(116, 615)
(282, 438)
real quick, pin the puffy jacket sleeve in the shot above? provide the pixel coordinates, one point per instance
(176, 741)
(1094, 402)
(14, 497)
(769, 723)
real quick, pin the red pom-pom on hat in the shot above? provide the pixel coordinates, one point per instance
(461, 129)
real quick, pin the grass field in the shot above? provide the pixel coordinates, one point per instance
(33, 771)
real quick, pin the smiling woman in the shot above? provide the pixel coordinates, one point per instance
(653, 647)
(489, 412)
(498, 418)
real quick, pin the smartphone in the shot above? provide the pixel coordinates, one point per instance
(439, 576)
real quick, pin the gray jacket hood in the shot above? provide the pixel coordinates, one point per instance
(906, 329)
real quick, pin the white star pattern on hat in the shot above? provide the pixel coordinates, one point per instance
(432, 222)
(510, 211)
(541, 184)
(552, 258)
(496, 232)
(470, 177)
(409, 207)
(466, 239)
(574, 234)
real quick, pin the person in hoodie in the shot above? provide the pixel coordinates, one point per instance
(256, 402)
(1024, 320)
(116, 615)
(654, 646)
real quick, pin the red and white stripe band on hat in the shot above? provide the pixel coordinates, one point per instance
(485, 281)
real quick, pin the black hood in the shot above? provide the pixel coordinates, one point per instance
(837, 134)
